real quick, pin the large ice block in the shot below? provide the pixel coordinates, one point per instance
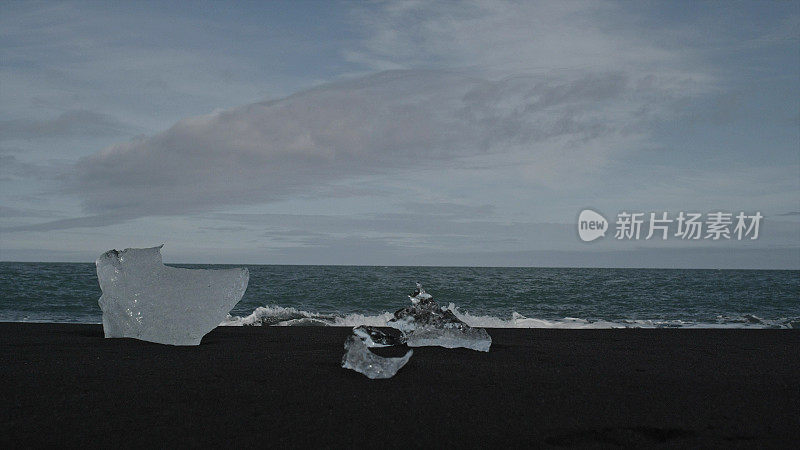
(144, 299)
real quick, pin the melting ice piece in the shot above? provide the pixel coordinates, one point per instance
(427, 324)
(472, 338)
(375, 337)
(358, 357)
(419, 295)
(144, 299)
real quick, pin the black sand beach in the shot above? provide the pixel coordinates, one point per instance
(64, 385)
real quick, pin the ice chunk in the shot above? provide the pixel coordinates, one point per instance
(422, 324)
(375, 337)
(144, 299)
(419, 295)
(472, 338)
(360, 358)
(427, 324)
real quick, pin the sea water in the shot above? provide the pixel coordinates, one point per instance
(480, 296)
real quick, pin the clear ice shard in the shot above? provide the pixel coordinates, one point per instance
(360, 358)
(375, 337)
(144, 299)
(471, 338)
(425, 323)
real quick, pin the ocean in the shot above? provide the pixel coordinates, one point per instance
(481, 296)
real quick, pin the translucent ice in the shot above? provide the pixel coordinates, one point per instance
(360, 358)
(144, 299)
(472, 338)
(427, 324)
(422, 324)
(375, 337)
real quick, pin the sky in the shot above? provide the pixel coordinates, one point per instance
(397, 133)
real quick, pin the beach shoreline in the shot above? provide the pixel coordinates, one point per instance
(66, 385)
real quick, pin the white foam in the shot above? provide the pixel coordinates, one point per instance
(282, 316)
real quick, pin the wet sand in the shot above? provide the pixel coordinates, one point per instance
(65, 385)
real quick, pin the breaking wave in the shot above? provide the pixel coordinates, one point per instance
(282, 316)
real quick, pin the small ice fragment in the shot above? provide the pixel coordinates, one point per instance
(419, 295)
(425, 323)
(360, 358)
(144, 299)
(375, 337)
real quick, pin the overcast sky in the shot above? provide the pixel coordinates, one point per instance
(387, 133)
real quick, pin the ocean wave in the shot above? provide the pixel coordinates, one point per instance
(288, 316)
(280, 316)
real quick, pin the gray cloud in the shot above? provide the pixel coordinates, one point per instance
(440, 232)
(71, 123)
(12, 167)
(341, 250)
(507, 37)
(391, 121)
(452, 210)
(494, 115)
(7, 211)
(535, 88)
(225, 228)
(99, 220)
(682, 258)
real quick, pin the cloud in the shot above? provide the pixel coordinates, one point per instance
(68, 124)
(662, 258)
(507, 37)
(8, 211)
(446, 130)
(387, 122)
(553, 91)
(450, 210)
(99, 220)
(12, 167)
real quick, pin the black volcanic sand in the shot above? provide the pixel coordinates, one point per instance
(65, 385)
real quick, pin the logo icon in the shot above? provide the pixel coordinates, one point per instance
(591, 225)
